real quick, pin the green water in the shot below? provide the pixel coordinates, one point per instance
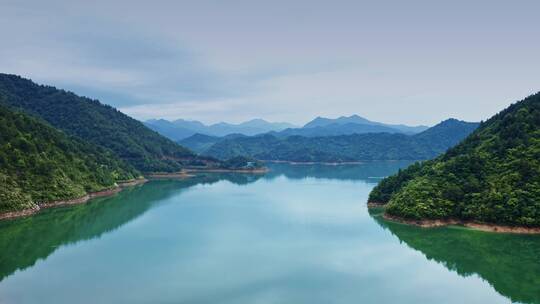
(299, 234)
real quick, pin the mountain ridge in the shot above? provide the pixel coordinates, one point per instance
(180, 129)
(357, 119)
(345, 148)
(97, 123)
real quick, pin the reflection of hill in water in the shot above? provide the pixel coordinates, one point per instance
(23, 241)
(510, 263)
(235, 178)
(368, 171)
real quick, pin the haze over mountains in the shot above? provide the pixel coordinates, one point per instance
(343, 148)
(320, 126)
(358, 120)
(57, 145)
(180, 128)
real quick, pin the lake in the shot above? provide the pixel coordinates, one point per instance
(298, 234)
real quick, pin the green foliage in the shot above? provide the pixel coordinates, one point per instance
(386, 188)
(96, 123)
(39, 163)
(493, 176)
(344, 148)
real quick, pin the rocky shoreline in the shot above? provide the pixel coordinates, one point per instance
(74, 201)
(250, 171)
(474, 225)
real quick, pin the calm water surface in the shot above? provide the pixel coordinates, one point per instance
(299, 234)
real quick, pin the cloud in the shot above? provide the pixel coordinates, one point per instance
(280, 60)
(105, 59)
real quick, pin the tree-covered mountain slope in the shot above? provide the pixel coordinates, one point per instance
(199, 143)
(493, 176)
(97, 123)
(39, 164)
(346, 148)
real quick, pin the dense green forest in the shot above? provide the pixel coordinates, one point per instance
(97, 123)
(39, 163)
(346, 148)
(493, 176)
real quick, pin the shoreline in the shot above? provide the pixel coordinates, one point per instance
(246, 171)
(356, 162)
(469, 224)
(73, 201)
(120, 185)
(375, 205)
(176, 175)
(188, 173)
(313, 163)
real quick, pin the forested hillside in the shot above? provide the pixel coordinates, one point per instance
(39, 163)
(199, 143)
(97, 123)
(493, 176)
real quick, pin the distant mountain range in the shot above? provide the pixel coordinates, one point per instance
(370, 126)
(180, 129)
(340, 148)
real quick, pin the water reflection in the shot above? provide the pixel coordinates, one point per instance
(370, 172)
(510, 263)
(26, 240)
(298, 234)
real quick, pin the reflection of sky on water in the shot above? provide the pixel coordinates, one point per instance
(295, 236)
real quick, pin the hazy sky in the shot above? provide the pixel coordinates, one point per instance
(414, 62)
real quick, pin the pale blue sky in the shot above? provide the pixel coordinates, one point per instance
(414, 62)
